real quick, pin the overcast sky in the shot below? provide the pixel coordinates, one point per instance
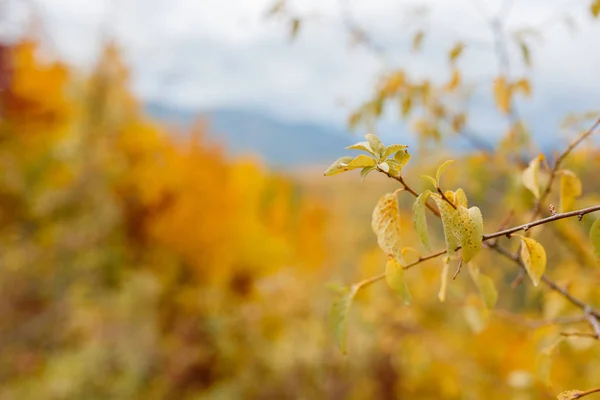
(205, 54)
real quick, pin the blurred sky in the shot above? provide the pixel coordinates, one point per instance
(205, 54)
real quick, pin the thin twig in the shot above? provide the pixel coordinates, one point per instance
(580, 334)
(555, 217)
(439, 190)
(538, 205)
(585, 393)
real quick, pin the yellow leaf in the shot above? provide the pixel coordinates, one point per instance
(502, 94)
(441, 169)
(523, 86)
(348, 163)
(468, 228)
(454, 81)
(456, 51)
(447, 214)
(406, 105)
(362, 146)
(595, 238)
(394, 276)
(419, 218)
(531, 176)
(570, 189)
(340, 165)
(394, 148)
(430, 179)
(595, 8)
(534, 258)
(361, 161)
(445, 273)
(386, 225)
(460, 198)
(402, 158)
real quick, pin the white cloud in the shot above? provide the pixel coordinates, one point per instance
(212, 53)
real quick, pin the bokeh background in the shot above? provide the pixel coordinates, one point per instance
(166, 231)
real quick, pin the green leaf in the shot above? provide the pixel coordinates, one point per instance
(430, 180)
(595, 238)
(460, 198)
(402, 157)
(386, 225)
(440, 170)
(570, 189)
(376, 144)
(394, 148)
(338, 314)
(534, 258)
(394, 276)
(531, 176)
(340, 165)
(365, 171)
(420, 219)
(365, 146)
(468, 228)
(444, 284)
(447, 214)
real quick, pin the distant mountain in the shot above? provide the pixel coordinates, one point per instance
(278, 143)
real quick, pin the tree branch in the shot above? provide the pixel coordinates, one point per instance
(538, 205)
(555, 217)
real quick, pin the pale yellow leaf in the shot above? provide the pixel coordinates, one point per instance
(441, 169)
(392, 149)
(430, 179)
(502, 94)
(534, 258)
(340, 165)
(361, 161)
(460, 198)
(570, 189)
(406, 105)
(376, 144)
(402, 157)
(468, 228)
(420, 219)
(394, 276)
(362, 146)
(386, 225)
(531, 176)
(338, 314)
(444, 280)
(447, 214)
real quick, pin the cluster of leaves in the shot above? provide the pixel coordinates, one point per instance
(462, 229)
